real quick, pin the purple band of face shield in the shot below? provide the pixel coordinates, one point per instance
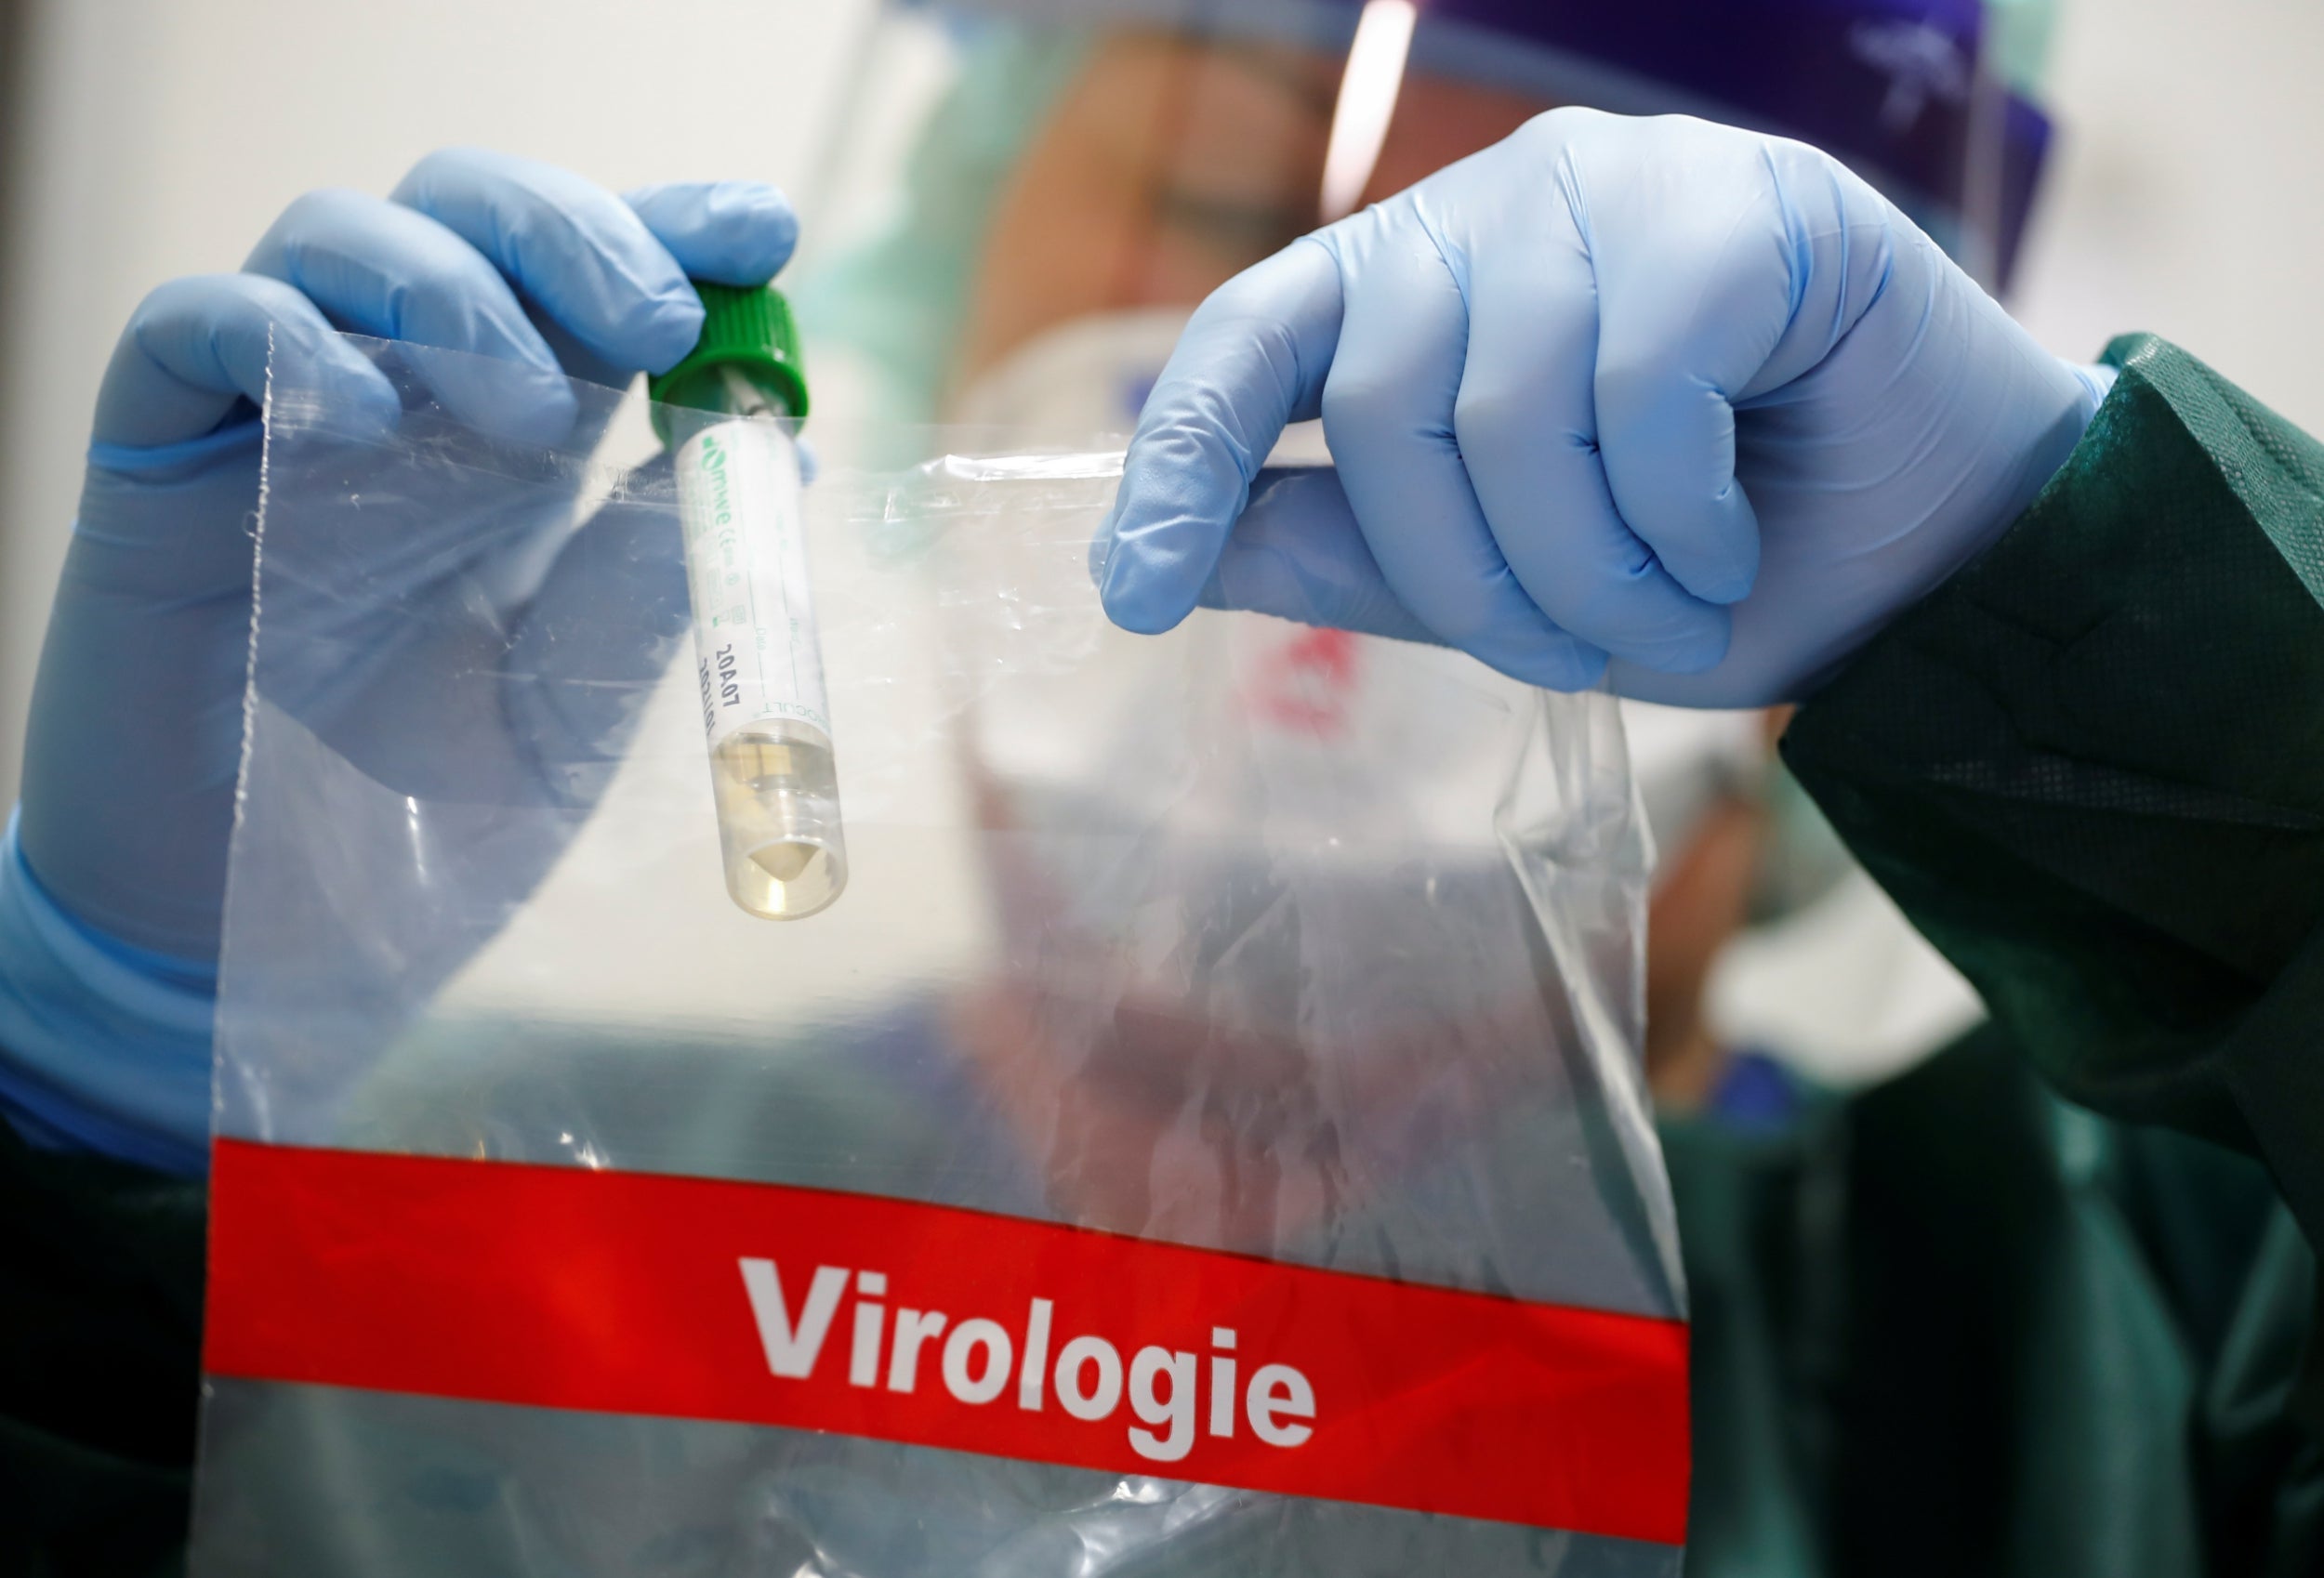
(1893, 86)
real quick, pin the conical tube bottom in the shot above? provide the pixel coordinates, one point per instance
(778, 803)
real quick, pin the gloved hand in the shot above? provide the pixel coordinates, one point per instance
(131, 756)
(1686, 407)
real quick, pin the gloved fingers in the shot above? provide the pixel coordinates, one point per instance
(1388, 409)
(1253, 359)
(1696, 290)
(1296, 553)
(729, 232)
(194, 347)
(380, 269)
(569, 246)
(1526, 428)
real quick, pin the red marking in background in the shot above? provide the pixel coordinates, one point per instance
(1306, 683)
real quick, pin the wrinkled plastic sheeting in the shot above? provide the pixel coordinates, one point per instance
(1250, 937)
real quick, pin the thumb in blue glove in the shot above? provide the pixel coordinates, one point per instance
(1660, 402)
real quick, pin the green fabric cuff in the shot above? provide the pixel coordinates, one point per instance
(2090, 767)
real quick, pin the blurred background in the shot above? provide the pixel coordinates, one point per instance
(146, 139)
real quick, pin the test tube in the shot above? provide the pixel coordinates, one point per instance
(730, 412)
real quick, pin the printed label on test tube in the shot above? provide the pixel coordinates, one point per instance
(738, 491)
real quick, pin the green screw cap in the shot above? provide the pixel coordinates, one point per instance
(750, 328)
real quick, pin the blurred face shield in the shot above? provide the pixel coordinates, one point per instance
(1025, 198)
(1254, 937)
(1024, 205)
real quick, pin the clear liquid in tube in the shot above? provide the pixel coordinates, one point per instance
(774, 778)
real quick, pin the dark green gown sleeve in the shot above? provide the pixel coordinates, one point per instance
(100, 1336)
(2091, 768)
(2008, 1337)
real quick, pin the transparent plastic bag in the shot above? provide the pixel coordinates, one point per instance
(1254, 996)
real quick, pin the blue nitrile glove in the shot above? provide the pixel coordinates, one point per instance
(110, 890)
(1688, 398)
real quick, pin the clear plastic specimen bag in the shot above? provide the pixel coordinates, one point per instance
(1206, 1137)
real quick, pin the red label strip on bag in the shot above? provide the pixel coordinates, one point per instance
(696, 1298)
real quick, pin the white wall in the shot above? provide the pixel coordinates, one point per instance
(166, 133)
(2188, 192)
